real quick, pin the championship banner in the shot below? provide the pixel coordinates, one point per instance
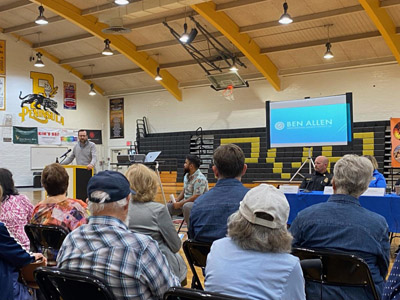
(395, 139)
(69, 136)
(2, 57)
(49, 136)
(25, 135)
(116, 118)
(70, 95)
(94, 136)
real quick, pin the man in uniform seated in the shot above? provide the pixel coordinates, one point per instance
(320, 178)
(131, 264)
(342, 225)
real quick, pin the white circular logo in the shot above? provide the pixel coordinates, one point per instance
(279, 125)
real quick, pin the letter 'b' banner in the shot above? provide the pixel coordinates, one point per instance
(395, 138)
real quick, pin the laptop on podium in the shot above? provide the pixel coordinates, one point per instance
(152, 156)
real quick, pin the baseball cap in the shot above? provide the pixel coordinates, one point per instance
(113, 183)
(265, 205)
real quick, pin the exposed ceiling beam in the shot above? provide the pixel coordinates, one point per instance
(242, 41)
(30, 25)
(384, 24)
(284, 73)
(120, 43)
(13, 5)
(282, 48)
(347, 38)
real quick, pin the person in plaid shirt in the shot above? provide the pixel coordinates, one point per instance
(131, 263)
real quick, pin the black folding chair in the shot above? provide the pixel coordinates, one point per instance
(46, 239)
(335, 269)
(62, 284)
(196, 255)
(178, 293)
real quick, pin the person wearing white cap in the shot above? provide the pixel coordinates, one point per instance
(253, 262)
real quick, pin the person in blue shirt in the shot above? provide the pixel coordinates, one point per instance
(254, 261)
(342, 225)
(378, 180)
(211, 210)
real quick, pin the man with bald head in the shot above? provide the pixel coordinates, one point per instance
(320, 178)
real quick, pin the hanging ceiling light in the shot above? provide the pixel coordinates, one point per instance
(41, 19)
(107, 50)
(92, 91)
(39, 63)
(158, 76)
(233, 68)
(121, 2)
(184, 37)
(285, 18)
(328, 53)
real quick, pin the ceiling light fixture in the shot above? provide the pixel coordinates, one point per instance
(121, 2)
(233, 68)
(107, 50)
(39, 63)
(41, 19)
(158, 76)
(285, 18)
(92, 91)
(185, 36)
(328, 53)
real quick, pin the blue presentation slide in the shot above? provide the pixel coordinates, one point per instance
(309, 125)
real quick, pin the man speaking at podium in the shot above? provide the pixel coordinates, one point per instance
(84, 152)
(320, 178)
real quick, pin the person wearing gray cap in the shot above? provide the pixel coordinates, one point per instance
(131, 264)
(253, 262)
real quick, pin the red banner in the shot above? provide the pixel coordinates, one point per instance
(395, 138)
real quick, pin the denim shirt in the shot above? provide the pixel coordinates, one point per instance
(341, 224)
(211, 210)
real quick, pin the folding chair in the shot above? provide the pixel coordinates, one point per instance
(57, 284)
(46, 239)
(196, 255)
(336, 269)
(178, 293)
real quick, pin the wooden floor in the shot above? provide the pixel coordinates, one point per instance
(174, 188)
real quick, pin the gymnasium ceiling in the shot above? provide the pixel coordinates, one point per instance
(362, 33)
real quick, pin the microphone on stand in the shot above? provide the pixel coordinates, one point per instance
(65, 154)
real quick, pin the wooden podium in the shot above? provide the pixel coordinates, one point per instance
(78, 179)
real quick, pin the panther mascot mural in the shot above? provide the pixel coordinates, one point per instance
(40, 101)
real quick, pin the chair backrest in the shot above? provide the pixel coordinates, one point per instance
(57, 283)
(339, 269)
(196, 255)
(178, 293)
(46, 238)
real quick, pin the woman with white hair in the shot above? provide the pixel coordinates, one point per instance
(253, 262)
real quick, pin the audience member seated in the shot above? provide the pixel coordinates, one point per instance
(152, 218)
(253, 262)
(194, 184)
(57, 208)
(392, 286)
(378, 180)
(13, 257)
(320, 178)
(15, 209)
(130, 263)
(342, 224)
(211, 210)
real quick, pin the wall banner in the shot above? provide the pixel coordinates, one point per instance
(395, 139)
(69, 95)
(116, 118)
(25, 135)
(95, 136)
(69, 136)
(2, 57)
(49, 136)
